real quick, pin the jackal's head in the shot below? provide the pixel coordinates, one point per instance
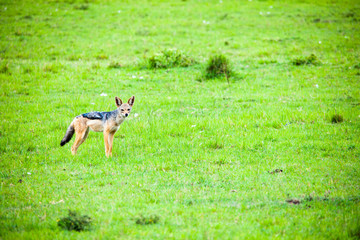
(124, 108)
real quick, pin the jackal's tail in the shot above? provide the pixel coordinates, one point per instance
(68, 135)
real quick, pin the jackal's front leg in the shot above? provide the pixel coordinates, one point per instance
(106, 141)
(111, 139)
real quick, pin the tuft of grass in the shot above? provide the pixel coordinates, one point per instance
(309, 60)
(27, 70)
(147, 220)
(4, 69)
(215, 145)
(222, 162)
(114, 65)
(75, 222)
(95, 66)
(337, 118)
(351, 147)
(29, 17)
(51, 68)
(218, 66)
(357, 66)
(102, 57)
(82, 7)
(74, 57)
(169, 59)
(267, 61)
(354, 233)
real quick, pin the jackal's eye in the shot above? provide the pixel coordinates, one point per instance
(129, 109)
(122, 110)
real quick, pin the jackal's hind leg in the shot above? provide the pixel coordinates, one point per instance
(80, 138)
(85, 135)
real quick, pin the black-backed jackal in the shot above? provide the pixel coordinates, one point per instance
(106, 122)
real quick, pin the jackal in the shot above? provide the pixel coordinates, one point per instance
(106, 122)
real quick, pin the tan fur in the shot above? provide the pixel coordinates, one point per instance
(82, 125)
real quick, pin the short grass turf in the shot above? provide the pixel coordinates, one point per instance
(256, 157)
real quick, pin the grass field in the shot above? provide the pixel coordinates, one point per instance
(257, 157)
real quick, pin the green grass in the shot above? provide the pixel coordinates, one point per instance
(218, 66)
(168, 59)
(195, 160)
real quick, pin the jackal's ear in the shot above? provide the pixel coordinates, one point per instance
(131, 101)
(118, 101)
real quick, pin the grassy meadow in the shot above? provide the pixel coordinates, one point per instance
(273, 152)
